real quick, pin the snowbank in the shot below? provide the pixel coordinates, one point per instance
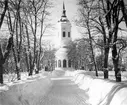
(85, 84)
(28, 93)
(79, 79)
(100, 91)
(74, 73)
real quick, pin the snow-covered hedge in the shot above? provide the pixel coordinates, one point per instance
(100, 91)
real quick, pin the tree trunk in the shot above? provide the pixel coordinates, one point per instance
(36, 63)
(1, 73)
(4, 56)
(27, 59)
(91, 46)
(115, 59)
(31, 65)
(18, 67)
(39, 56)
(35, 47)
(16, 64)
(1, 54)
(30, 56)
(17, 52)
(1, 65)
(4, 12)
(106, 53)
(124, 11)
(18, 70)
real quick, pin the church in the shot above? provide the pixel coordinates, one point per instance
(64, 38)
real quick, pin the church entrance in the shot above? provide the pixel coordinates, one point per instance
(59, 63)
(64, 63)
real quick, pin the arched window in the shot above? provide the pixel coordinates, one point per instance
(69, 63)
(56, 63)
(64, 34)
(69, 35)
(59, 63)
(64, 63)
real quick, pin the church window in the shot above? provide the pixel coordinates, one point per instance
(64, 34)
(59, 63)
(69, 34)
(64, 63)
(69, 63)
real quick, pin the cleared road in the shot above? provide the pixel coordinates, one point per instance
(64, 92)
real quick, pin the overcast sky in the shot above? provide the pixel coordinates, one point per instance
(56, 12)
(71, 10)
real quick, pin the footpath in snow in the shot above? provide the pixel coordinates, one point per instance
(64, 92)
(65, 88)
(53, 89)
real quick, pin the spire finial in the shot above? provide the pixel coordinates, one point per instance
(64, 17)
(63, 6)
(64, 11)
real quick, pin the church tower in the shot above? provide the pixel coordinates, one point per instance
(64, 38)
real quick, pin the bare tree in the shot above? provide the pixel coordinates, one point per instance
(79, 54)
(44, 27)
(105, 21)
(16, 29)
(48, 59)
(35, 14)
(85, 22)
(5, 4)
(4, 55)
(124, 11)
(101, 25)
(23, 19)
(113, 18)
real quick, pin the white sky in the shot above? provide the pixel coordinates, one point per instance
(71, 12)
(56, 12)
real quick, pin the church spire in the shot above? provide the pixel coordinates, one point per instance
(64, 17)
(63, 6)
(64, 11)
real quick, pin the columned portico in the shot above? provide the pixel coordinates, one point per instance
(63, 63)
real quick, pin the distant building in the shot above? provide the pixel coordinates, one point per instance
(64, 38)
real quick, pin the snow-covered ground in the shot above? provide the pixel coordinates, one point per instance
(11, 79)
(100, 91)
(101, 74)
(55, 88)
(27, 91)
(64, 92)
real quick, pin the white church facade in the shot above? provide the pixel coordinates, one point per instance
(64, 38)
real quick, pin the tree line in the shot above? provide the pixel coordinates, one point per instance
(100, 23)
(26, 21)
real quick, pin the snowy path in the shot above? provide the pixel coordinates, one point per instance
(64, 92)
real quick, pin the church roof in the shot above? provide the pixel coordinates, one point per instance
(62, 51)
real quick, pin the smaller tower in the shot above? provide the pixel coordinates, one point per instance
(64, 38)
